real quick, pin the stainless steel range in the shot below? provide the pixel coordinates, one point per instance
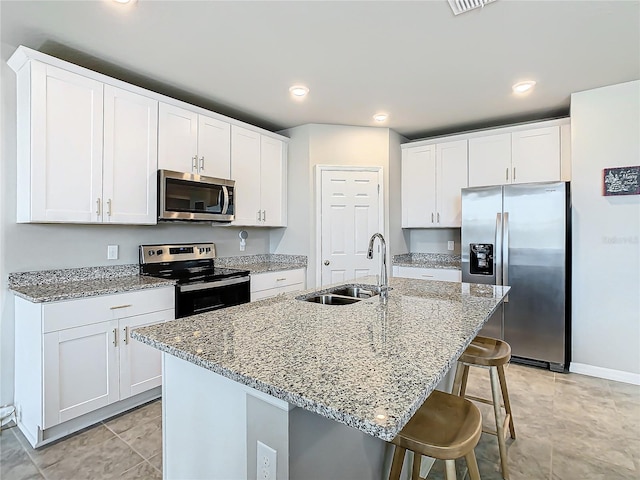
(200, 286)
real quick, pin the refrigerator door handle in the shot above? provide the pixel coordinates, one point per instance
(505, 253)
(498, 250)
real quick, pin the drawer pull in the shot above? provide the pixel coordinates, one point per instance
(280, 279)
(120, 306)
(425, 275)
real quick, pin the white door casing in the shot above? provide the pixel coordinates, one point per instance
(350, 210)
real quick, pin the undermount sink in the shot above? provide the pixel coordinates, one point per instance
(342, 294)
(328, 299)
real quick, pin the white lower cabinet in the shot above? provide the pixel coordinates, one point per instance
(270, 284)
(441, 274)
(87, 358)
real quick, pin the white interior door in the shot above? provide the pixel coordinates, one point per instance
(351, 211)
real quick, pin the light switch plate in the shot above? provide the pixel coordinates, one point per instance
(450, 245)
(112, 252)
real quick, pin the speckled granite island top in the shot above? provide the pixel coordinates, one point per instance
(57, 285)
(366, 365)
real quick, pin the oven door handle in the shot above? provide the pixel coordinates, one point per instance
(217, 283)
(225, 204)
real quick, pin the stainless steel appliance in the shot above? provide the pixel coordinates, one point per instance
(519, 235)
(200, 286)
(186, 196)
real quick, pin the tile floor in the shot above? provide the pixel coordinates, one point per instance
(569, 427)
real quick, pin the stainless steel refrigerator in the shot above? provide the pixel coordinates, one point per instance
(519, 235)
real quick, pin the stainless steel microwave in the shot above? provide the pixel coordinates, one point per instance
(185, 196)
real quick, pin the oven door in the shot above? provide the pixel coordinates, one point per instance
(194, 298)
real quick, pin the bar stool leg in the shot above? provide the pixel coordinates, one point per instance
(450, 469)
(505, 397)
(396, 465)
(472, 465)
(465, 377)
(495, 389)
(417, 460)
(457, 380)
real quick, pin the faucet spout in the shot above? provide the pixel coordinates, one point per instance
(383, 279)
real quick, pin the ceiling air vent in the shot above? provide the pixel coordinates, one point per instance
(461, 6)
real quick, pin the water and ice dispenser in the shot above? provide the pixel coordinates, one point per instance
(481, 261)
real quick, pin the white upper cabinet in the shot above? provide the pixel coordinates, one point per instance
(59, 146)
(130, 157)
(523, 156)
(258, 166)
(432, 176)
(214, 147)
(451, 178)
(86, 151)
(536, 155)
(193, 143)
(177, 139)
(490, 160)
(418, 186)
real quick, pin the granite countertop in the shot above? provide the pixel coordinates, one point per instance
(269, 262)
(427, 260)
(55, 285)
(367, 365)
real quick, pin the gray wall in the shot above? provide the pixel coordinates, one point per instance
(433, 240)
(605, 126)
(316, 144)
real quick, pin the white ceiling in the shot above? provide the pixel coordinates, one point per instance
(432, 71)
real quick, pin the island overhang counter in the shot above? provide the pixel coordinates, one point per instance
(233, 377)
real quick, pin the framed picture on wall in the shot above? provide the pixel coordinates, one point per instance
(621, 181)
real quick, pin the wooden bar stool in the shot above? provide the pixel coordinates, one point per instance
(493, 354)
(445, 427)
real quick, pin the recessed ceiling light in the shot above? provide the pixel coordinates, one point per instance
(380, 117)
(524, 87)
(299, 90)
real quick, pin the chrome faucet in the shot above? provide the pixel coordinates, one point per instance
(383, 280)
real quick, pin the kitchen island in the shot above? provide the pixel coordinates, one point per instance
(234, 377)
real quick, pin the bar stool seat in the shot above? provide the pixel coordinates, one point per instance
(445, 427)
(493, 354)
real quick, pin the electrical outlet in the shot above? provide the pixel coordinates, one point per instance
(266, 462)
(112, 252)
(450, 245)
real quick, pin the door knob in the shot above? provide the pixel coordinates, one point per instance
(327, 262)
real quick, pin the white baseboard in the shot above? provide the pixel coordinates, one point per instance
(608, 373)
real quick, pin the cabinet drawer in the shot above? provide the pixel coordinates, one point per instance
(441, 274)
(86, 311)
(264, 281)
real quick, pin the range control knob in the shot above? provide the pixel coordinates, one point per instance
(151, 253)
(159, 252)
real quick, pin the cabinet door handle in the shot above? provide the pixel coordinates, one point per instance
(507, 174)
(98, 207)
(109, 207)
(126, 335)
(194, 164)
(115, 337)
(119, 306)
(438, 216)
(201, 163)
(259, 214)
(514, 174)
(264, 215)
(431, 217)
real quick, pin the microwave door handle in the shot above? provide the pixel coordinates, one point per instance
(225, 205)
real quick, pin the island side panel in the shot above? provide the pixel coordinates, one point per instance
(203, 422)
